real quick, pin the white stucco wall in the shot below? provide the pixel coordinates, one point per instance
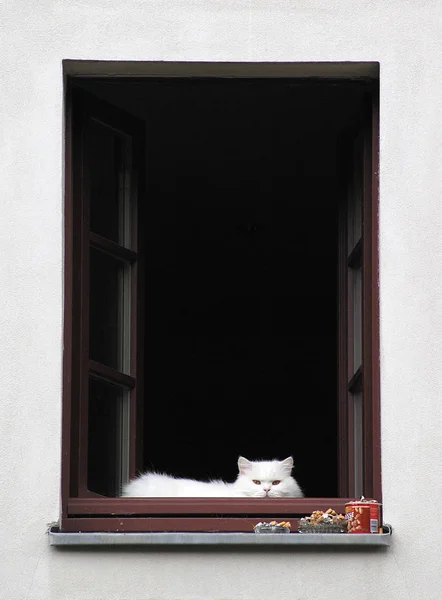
(405, 37)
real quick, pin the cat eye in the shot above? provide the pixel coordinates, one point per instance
(277, 482)
(257, 481)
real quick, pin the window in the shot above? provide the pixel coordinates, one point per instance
(220, 294)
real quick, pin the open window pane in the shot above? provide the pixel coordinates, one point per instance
(108, 437)
(109, 311)
(108, 159)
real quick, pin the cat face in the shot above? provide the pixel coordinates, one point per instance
(261, 479)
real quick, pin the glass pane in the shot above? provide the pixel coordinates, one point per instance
(356, 277)
(357, 216)
(109, 318)
(109, 183)
(108, 438)
(354, 223)
(358, 450)
(354, 216)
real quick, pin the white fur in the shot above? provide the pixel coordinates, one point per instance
(157, 485)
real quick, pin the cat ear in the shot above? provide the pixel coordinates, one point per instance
(288, 464)
(243, 465)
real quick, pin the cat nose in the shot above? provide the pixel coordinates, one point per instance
(267, 489)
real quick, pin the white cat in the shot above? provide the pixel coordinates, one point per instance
(257, 479)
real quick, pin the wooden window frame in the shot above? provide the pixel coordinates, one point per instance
(83, 511)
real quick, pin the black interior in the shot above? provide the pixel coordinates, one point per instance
(241, 273)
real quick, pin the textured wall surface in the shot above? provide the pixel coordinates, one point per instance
(405, 38)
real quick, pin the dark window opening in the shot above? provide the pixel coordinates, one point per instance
(238, 259)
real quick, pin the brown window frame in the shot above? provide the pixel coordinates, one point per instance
(85, 511)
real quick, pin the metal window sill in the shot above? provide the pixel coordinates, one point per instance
(57, 538)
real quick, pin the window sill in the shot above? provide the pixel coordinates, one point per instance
(57, 538)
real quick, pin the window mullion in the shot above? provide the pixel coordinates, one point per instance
(112, 375)
(116, 250)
